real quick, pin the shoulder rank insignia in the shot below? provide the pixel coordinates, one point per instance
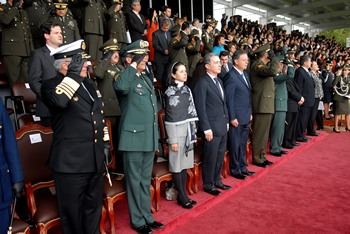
(203, 35)
(95, 66)
(116, 77)
(261, 65)
(1, 9)
(139, 86)
(190, 46)
(98, 93)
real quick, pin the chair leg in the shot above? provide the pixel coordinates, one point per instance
(195, 172)
(152, 196)
(247, 153)
(189, 181)
(110, 211)
(102, 221)
(41, 228)
(156, 185)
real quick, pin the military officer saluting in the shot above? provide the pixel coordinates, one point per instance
(138, 134)
(105, 70)
(16, 41)
(79, 140)
(208, 38)
(193, 50)
(117, 23)
(69, 26)
(177, 46)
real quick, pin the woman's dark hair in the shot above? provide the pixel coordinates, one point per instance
(217, 39)
(170, 81)
(150, 12)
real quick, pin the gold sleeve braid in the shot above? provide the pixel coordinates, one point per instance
(68, 86)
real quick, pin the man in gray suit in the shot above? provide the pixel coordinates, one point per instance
(41, 66)
(161, 39)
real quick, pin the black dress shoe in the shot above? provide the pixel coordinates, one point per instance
(213, 192)
(143, 230)
(192, 202)
(288, 147)
(295, 144)
(263, 164)
(309, 139)
(313, 134)
(239, 176)
(320, 129)
(223, 187)
(188, 205)
(268, 162)
(156, 225)
(284, 152)
(278, 154)
(248, 173)
(302, 140)
(336, 131)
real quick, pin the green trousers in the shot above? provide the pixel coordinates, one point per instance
(16, 69)
(277, 131)
(260, 136)
(137, 173)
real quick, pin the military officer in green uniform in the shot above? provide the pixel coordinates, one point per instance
(177, 46)
(193, 50)
(94, 23)
(104, 70)
(208, 38)
(117, 23)
(36, 9)
(285, 72)
(138, 134)
(69, 26)
(16, 41)
(261, 76)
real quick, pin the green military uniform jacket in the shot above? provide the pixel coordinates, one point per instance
(281, 96)
(94, 20)
(16, 35)
(336, 82)
(36, 10)
(177, 51)
(138, 127)
(104, 71)
(263, 88)
(116, 25)
(208, 41)
(194, 55)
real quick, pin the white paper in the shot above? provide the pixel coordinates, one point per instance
(320, 106)
(160, 159)
(88, 63)
(36, 118)
(154, 80)
(35, 138)
(27, 85)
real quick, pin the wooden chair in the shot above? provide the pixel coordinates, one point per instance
(28, 118)
(34, 142)
(19, 226)
(91, 62)
(116, 192)
(29, 97)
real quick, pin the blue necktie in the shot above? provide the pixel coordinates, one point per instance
(218, 85)
(166, 36)
(244, 79)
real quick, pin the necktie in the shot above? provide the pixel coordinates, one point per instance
(218, 85)
(139, 17)
(62, 18)
(166, 36)
(244, 78)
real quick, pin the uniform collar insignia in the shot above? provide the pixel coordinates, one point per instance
(139, 86)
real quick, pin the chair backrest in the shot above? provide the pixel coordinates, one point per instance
(28, 118)
(164, 135)
(23, 89)
(34, 142)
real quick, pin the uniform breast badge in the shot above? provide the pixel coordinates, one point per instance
(98, 93)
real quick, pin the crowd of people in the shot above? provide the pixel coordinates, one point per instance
(218, 86)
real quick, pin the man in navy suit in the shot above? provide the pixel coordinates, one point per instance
(137, 24)
(239, 104)
(10, 169)
(40, 66)
(209, 98)
(307, 89)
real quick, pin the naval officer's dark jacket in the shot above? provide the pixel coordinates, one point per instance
(77, 124)
(138, 128)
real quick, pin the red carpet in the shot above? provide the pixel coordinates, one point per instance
(308, 194)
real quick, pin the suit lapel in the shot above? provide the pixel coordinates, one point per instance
(46, 53)
(213, 86)
(84, 94)
(241, 78)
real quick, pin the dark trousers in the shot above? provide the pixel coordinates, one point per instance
(260, 136)
(319, 119)
(5, 214)
(138, 172)
(290, 128)
(212, 161)
(238, 137)
(80, 197)
(303, 118)
(161, 73)
(312, 118)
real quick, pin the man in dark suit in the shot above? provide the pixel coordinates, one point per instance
(307, 89)
(226, 66)
(160, 40)
(11, 169)
(231, 24)
(212, 112)
(80, 138)
(239, 104)
(137, 24)
(41, 67)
